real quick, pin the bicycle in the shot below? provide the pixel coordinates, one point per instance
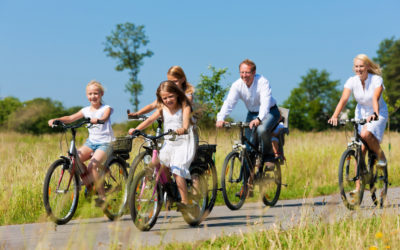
(353, 168)
(240, 165)
(63, 180)
(203, 160)
(150, 189)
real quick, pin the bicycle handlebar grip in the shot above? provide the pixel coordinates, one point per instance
(57, 123)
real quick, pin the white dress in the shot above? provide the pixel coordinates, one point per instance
(364, 107)
(177, 154)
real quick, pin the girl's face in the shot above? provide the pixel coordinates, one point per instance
(361, 69)
(169, 99)
(177, 81)
(94, 95)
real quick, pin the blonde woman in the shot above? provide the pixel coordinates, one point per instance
(367, 87)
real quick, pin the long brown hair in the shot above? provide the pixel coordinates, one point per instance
(171, 87)
(177, 71)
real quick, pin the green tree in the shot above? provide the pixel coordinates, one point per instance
(388, 57)
(7, 106)
(124, 44)
(33, 116)
(209, 95)
(313, 102)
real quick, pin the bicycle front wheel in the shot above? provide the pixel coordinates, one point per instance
(61, 192)
(197, 198)
(379, 185)
(270, 183)
(348, 179)
(145, 200)
(234, 181)
(115, 189)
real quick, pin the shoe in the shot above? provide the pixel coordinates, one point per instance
(269, 166)
(99, 202)
(381, 164)
(354, 193)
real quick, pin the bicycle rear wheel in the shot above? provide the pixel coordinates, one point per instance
(348, 177)
(234, 181)
(379, 185)
(115, 178)
(145, 200)
(61, 192)
(197, 198)
(270, 183)
(211, 179)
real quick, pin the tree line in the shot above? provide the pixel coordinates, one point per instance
(311, 103)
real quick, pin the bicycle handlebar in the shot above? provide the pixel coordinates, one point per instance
(57, 123)
(136, 133)
(353, 120)
(236, 124)
(137, 117)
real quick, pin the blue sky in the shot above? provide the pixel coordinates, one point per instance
(54, 48)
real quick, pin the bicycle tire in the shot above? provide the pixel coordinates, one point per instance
(347, 179)
(212, 184)
(138, 164)
(115, 179)
(145, 200)
(270, 185)
(197, 198)
(61, 192)
(234, 181)
(379, 185)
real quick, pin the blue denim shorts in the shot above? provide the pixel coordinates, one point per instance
(95, 146)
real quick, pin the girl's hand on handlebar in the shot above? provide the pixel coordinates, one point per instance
(180, 131)
(50, 122)
(131, 130)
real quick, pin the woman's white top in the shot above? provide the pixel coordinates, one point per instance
(99, 133)
(364, 106)
(177, 154)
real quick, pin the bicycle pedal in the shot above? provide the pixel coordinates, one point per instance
(285, 185)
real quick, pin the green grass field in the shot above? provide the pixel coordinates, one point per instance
(310, 170)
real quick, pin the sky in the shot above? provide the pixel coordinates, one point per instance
(54, 48)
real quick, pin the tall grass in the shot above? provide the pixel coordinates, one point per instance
(311, 168)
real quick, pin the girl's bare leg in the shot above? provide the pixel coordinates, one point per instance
(182, 187)
(96, 163)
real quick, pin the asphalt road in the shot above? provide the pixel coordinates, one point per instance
(100, 233)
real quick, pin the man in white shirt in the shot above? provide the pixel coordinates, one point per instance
(255, 92)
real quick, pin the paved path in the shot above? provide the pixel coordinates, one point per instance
(100, 233)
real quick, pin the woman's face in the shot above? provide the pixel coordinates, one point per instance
(361, 69)
(177, 81)
(169, 99)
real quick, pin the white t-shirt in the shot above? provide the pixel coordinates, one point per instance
(99, 133)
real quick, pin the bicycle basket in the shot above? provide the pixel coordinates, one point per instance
(203, 155)
(122, 145)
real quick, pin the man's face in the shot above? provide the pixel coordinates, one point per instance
(246, 74)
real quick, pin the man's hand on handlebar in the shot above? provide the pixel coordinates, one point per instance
(254, 123)
(220, 124)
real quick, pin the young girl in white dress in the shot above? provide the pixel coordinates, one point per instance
(174, 107)
(367, 87)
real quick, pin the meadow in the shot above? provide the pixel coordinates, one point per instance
(310, 170)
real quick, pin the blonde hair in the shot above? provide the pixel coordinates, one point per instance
(372, 67)
(249, 63)
(177, 71)
(98, 85)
